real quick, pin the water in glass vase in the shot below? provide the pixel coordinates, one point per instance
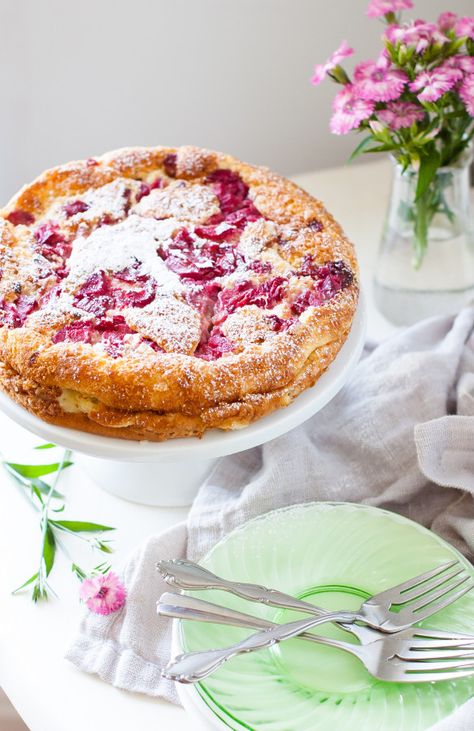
(419, 276)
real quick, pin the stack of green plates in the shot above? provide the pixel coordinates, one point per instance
(334, 555)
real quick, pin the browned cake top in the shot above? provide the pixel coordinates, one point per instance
(169, 279)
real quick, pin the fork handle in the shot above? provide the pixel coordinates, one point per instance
(188, 575)
(191, 667)
(180, 606)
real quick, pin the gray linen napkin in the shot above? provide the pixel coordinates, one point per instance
(400, 435)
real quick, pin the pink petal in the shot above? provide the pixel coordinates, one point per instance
(375, 81)
(465, 27)
(318, 74)
(398, 115)
(464, 63)
(344, 51)
(349, 110)
(447, 21)
(433, 84)
(418, 34)
(466, 92)
(379, 8)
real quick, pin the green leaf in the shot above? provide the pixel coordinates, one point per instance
(27, 583)
(45, 446)
(104, 547)
(36, 470)
(36, 492)
(429, 164)
(455, 45)
(39, 593)
(382, 148)
(102, 568)
(81, 526)
(360, 147)
(49, 549)
(44, 488)
(78, 571)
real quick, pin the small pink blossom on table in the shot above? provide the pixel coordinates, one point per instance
(377, 81)
(103, 594)
(433, 84)
(398, 115)
(321, 69)
(379, 8)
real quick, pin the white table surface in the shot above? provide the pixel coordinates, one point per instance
(48, 692)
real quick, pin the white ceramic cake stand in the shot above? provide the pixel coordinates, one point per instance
(169, 473)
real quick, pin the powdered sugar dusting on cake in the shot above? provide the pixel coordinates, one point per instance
(257, 235)
(249, 324)
(109, 200)
(112, 248)
(169, 322)
(58, 310)
(181, 200)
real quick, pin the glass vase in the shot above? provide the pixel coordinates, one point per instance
(425, 263)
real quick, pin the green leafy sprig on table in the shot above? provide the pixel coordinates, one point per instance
(49, 503)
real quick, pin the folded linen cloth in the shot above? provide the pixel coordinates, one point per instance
(400, 435)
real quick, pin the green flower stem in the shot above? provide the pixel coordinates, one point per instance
(420, 229)
(431, 203)
(48, 540)
(40, 496)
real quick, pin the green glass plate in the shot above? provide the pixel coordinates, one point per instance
(334, 555)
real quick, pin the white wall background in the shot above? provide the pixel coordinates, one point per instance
(79, 77)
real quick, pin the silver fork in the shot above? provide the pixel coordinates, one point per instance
(415, 599)
(404, 657)
(183, 606)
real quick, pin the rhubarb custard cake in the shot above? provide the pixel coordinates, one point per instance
(154, 293)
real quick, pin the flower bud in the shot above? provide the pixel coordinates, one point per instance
(338, 75)
(376, 127)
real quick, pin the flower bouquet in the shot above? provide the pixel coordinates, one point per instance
(416, 102)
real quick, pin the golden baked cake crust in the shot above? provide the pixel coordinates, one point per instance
(154, 293)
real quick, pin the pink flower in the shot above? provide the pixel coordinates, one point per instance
(466, 92)
(435, 83)
(417, 34)
(447, 21)
(379, 8)
(377, 82)
(400, 114)
(465, 63)
(349, 110)
(103, 594)
(465, 27)
(320, 70)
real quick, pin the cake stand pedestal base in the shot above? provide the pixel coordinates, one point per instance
(163, 484)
